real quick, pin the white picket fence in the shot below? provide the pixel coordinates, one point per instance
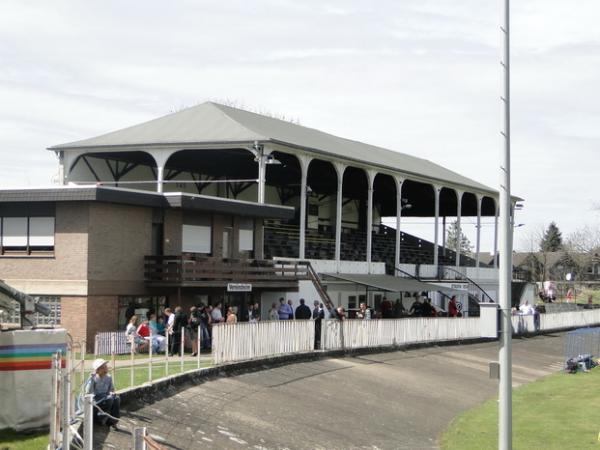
(353, 334)
(242, 341)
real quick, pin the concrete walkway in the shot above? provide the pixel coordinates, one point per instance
(398, 400)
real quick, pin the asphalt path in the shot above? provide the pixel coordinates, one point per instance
(395, 400)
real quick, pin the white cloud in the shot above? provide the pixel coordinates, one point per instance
(415, 76)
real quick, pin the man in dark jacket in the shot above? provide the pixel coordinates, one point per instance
(180, 322)
(303, 312)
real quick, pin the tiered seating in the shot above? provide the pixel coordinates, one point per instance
(282, 241)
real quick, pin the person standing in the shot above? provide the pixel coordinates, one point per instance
(256, 312)
(284, 310)
(193, 324)
(216, 314)
(387, 310)
(205, 321)
(291, 309)
(179, 323)
(303, 311)
(452, 307)
(362, 311)
(318, 314)
(273, 312)
(231, 317)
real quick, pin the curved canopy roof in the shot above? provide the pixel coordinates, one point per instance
(212, 123)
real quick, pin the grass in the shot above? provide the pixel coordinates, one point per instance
(582, 296)
(557, 412)
(25, 441)
(122, 377)
(22, 441)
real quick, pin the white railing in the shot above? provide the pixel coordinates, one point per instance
(242, 341)
(569, 319)
(353, 334)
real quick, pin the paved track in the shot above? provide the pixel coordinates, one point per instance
(393, 400)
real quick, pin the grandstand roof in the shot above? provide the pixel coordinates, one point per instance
(212, 123)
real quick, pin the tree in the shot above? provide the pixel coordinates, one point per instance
(453, 241)
(552, 239)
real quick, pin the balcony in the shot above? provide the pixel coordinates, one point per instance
(193, 270)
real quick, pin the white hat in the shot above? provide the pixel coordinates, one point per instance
(98, 363)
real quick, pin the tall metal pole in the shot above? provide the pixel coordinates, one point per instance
(505, 385)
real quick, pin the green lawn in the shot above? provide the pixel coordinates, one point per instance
(559, 412)
(122, 377)
(13, 441)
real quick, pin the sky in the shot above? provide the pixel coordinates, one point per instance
(417, 76)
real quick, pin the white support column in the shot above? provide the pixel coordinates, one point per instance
(304, 162)
(398, 182)
(161, 157)
(478, 239)
(370, 180)
(459, 195)
(159, 178)
(436, 226)
(339, 168)
(496, 235)
(262, 171)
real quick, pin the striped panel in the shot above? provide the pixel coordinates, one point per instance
(29, 356)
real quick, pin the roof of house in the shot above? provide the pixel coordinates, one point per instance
(212, 123)
(145, 198)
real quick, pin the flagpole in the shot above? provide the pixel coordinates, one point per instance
(505, 272)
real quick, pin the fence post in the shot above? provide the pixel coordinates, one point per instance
(139, 443)
(131, 371)
(66, 410)
(113, 343)
(82, 355)
(198, 344)
(88, 422)
(54, 406)
(150, 355)
(182, 349)
(167, 352)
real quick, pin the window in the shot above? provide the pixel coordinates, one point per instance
(53, 302)
(246, 235)
(26, 235)
(196, 239)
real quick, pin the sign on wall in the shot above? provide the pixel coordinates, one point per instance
(239, 287)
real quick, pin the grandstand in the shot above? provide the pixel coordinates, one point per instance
(189, 207)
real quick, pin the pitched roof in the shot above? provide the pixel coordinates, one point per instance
(210, 123)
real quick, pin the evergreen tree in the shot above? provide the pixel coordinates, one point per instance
(552, 239)
(453, 240)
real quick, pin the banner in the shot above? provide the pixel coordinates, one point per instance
(26, 376)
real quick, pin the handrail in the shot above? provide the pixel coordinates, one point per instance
(318, 284)
(471, 281)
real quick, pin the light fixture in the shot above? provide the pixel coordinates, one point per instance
(271, 160)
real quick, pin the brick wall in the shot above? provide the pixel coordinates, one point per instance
(70, 250)
(74, 316)
(119, 238)
(102, 315)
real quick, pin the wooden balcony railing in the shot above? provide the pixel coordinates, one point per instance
(190, 269)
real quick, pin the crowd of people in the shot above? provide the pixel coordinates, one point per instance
(153, 330)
